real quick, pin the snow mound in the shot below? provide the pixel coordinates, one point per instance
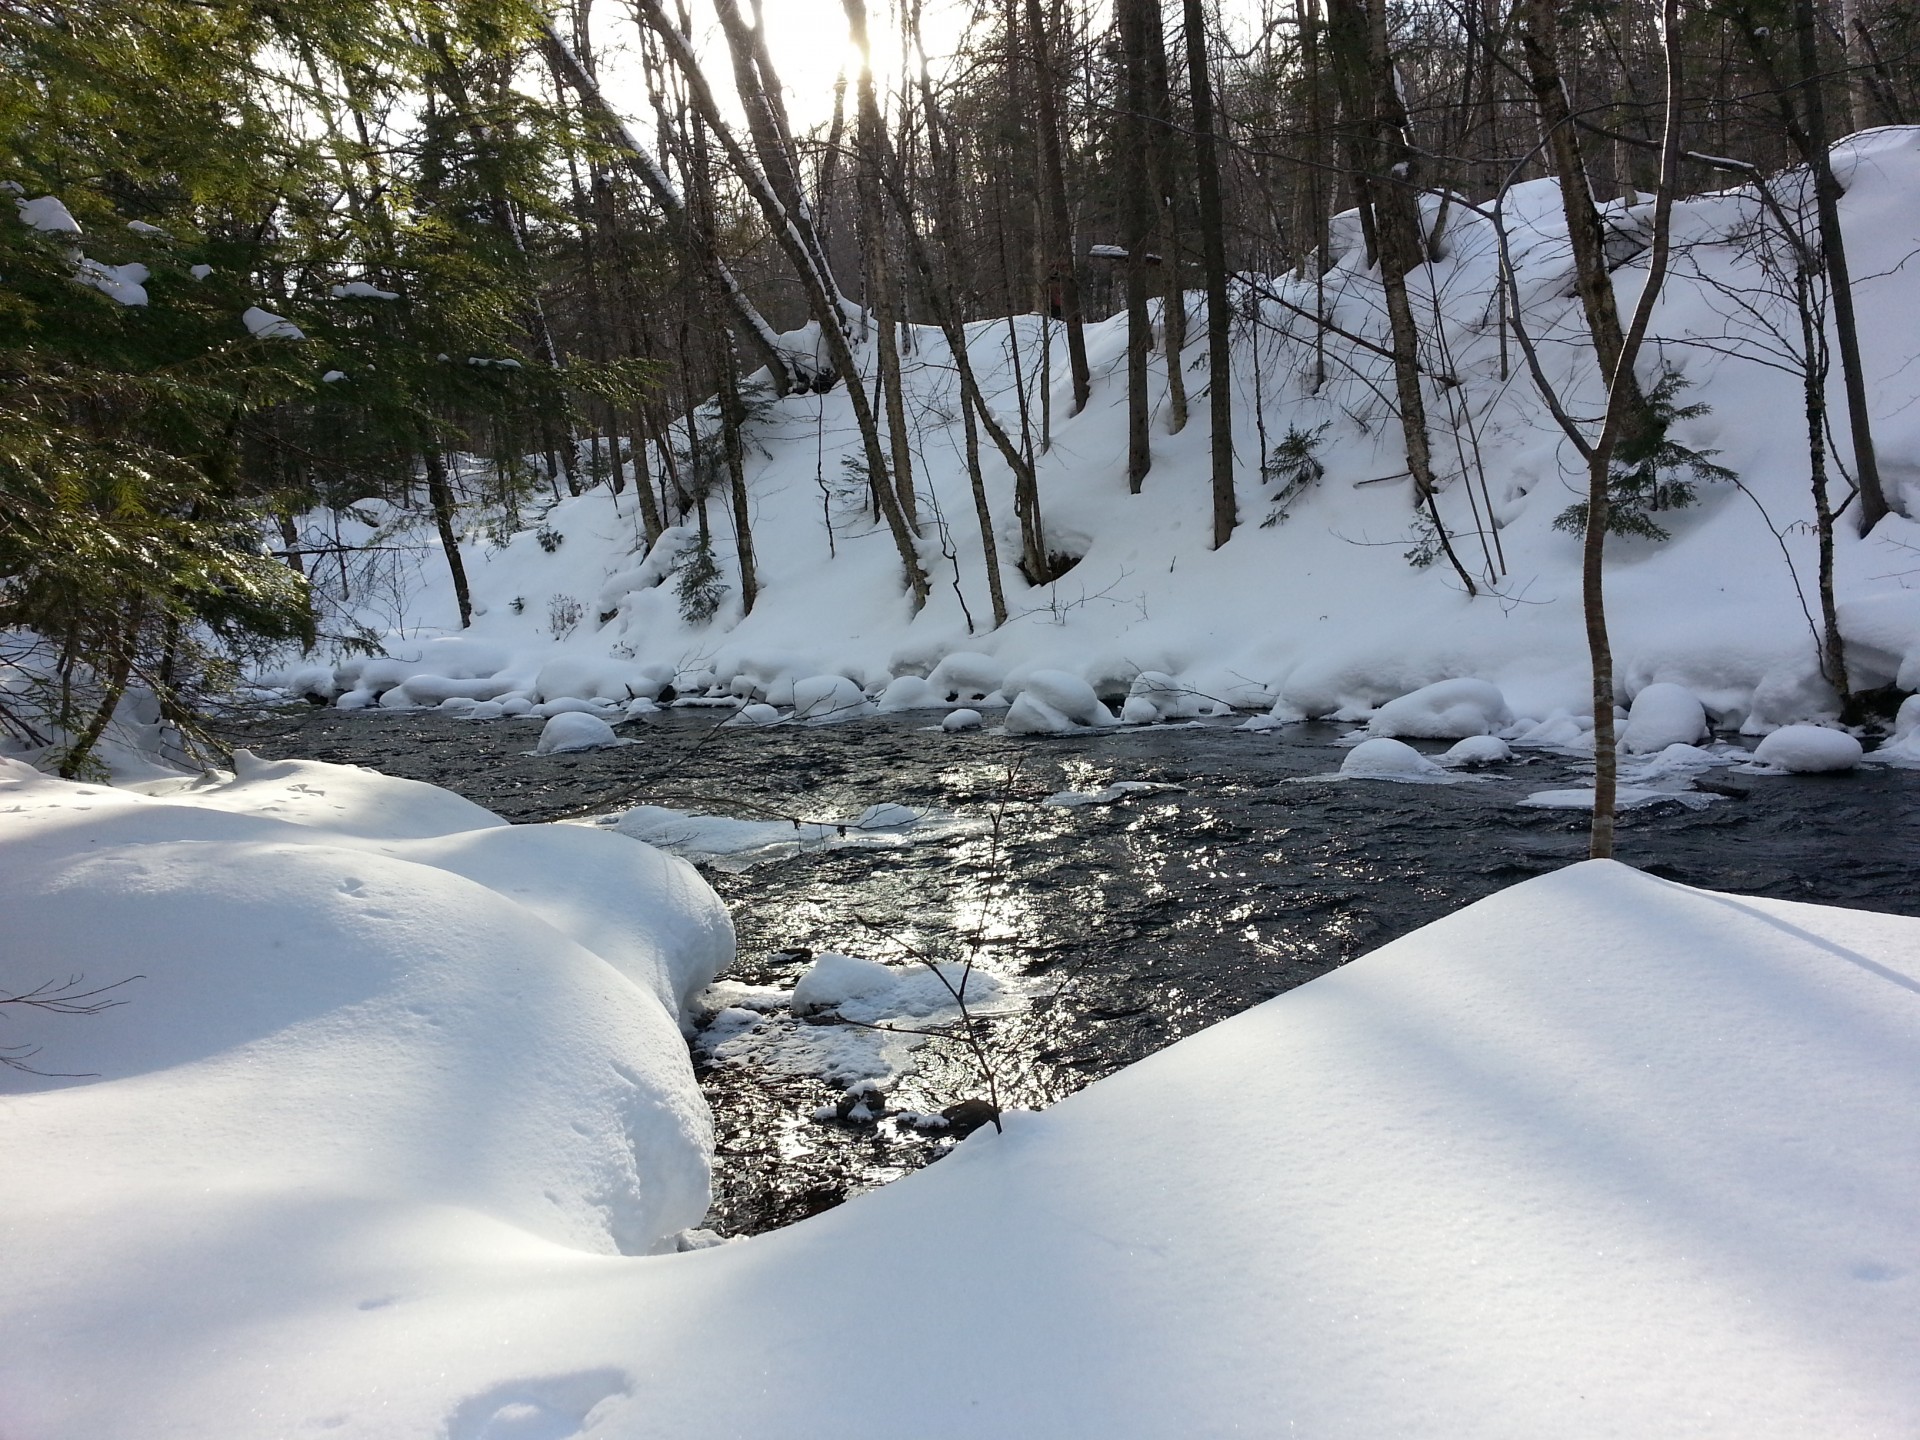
(967, 675)
(1053, 702)
(853, 1020)
(1809, 749)
(958, 720)
(823, 698)
(1448, 710)
(909, 692)
(1478, 750)
(573, 730)
(1663, 714)
(1155, 696)
(1655, 1142)
(332, 1025)
(1386, 759)
(754, 715)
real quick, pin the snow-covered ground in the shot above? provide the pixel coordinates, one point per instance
(394, 1134)
(1319, 613)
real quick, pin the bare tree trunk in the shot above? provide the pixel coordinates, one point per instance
(1213, 252)
(440, 497)
(823, 296)
(1593, 278)
(1606, 757)
(1131, 142)
(1060, 255)
(751, 327)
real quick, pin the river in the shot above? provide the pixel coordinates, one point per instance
(1130, 924)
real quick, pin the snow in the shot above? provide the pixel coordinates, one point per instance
(333, 377)
(822, 698)
(729, 843)
(1385, 759)
(123, 284)
(1446, 710)
(1107, 794)
(265, 325)
(141, 227)
(574, 730)
(963, 719)
(1478, 750)
(1054, 702)
(361, 290)
(1600, 1155)
(48, 215)
(1809, 749)
(1663, 714)
(1316, 616)
(200, 272)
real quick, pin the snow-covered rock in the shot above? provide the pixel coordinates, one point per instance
(573, 730)
(1053, 702)
(963, 719)
(1809, 749)
(1448, 710)
(1387, 759)
(1663, 714)
(828, 697)
(909, 692)
(967, 675)
(752, 715)
(1478, 750)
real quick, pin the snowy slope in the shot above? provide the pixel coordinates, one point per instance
(1321, 611)
(1601, 1155)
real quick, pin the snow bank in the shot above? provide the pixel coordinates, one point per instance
(359, 1000)
(1598, 1156)
(1448, 710)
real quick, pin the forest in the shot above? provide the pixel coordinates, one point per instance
(525, 255)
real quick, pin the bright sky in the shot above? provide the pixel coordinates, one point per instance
(809, 43)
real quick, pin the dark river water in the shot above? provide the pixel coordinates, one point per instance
(1136, 922)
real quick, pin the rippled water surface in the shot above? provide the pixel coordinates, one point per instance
(1136, 922)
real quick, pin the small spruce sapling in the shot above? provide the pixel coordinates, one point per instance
(1294, 464)
(699, 586)
(1651, 470)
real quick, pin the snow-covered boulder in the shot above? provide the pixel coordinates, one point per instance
(1663, 714)
(753, 715)
(1054, 702)
(967, 675)
(1448, 710)
(909, 692)
(583, 677)
(1478, 750)
(1387, 759)
(963, 719)
(828, 697)
(1559, 731)
(573, 730)
(1155, 695)
(1809, 749)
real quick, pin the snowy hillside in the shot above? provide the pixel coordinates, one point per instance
(388, 1138)
(1319, 611)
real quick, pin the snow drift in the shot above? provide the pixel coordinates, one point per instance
(1600, 1155)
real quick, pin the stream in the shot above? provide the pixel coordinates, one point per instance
(1128, 924)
